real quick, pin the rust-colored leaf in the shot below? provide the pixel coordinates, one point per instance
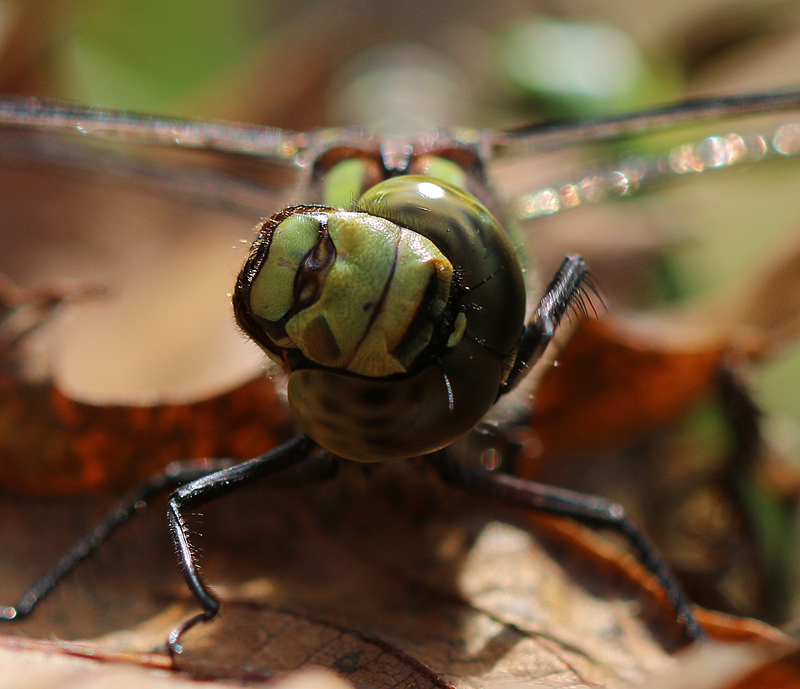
(59, 445)
(51, 444)
(615, 417)
(622, 377)
(614, 383)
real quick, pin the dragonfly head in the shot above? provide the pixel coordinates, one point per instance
(395, 319)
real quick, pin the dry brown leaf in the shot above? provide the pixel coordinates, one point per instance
(390, 579)
(733, 666)
(30, 664)
(781, 673)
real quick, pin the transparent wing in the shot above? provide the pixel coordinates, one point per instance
(710, 183)
(105, 195)
(277, 145)
(549, 135)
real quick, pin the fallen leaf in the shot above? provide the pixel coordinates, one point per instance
(52, 444)
(383, 574)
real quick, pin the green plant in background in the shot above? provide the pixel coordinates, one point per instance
(154, 56)
(575, 68)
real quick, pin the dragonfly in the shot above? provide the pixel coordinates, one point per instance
(468, 336)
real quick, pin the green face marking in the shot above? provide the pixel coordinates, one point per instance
(392, 343)
(329, 330)
(446, 171)
(272, 293)
(367, 304)
(344, 182)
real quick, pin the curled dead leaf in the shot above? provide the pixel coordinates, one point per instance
(52, 444)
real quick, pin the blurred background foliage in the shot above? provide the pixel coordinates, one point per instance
(408, 65)
(293, 64)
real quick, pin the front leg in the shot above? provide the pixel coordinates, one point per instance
(203, 491)
(565, 291)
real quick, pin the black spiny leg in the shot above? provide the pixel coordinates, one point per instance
(203, 491)
(174, 475)
(565, 291)
(586, 509)
(201, 482)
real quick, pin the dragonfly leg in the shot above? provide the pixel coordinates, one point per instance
(586, 509)
(174, 475)
(203, 480)
(202, 491)
(565, 291)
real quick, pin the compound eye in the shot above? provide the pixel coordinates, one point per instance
(482, 254)
(348, 179)
(439, 168)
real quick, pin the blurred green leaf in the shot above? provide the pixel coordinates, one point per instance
(148, 55)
